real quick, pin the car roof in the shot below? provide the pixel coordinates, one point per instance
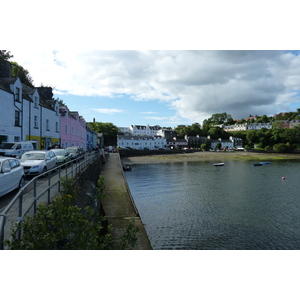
(6, 157)
(37, 151)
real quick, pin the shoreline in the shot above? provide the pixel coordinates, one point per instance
(208, 156)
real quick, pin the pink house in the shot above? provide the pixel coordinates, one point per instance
(73, 129)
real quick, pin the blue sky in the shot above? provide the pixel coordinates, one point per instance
(123, 111)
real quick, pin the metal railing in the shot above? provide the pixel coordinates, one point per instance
(36, 191)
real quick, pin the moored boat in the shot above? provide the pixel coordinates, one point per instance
(218, 164)
(256, 165)
(265, 162)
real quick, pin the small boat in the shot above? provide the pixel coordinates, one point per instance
(265, 162)
(218, 164)
(126, 168)
(256, 165)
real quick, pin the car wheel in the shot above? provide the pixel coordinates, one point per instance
(22, 182)
(44, 171)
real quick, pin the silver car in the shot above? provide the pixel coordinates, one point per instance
(38, 162)
(11, 175)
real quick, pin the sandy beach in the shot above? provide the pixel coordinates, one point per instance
(208, 156)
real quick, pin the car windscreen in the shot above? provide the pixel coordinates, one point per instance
(74, 150)
(8, 146)
(33, 156)
(59, 152)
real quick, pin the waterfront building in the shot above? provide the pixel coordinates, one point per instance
(141, 142)
(26, 114)
(230, 143)
(141, 130)
(73, 129)
(195, 141)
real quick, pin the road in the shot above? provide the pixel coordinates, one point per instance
(5, 200)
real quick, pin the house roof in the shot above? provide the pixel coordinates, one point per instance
(6, 82)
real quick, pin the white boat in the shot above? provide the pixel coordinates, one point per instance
(218, 164)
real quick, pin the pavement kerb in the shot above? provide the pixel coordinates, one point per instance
(119, 205)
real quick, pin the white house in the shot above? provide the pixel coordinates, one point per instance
(141, 142)
(141, 130)
(258, 126)
(25, 114)
(12, 110)
(232, 143)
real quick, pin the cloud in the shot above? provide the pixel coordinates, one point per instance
(194, 83)
(108, 111)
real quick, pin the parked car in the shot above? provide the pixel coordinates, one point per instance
(11, 175)
(38, 162)
(76, 152)
(63, 156)
(15, 149)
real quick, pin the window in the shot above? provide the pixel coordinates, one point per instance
(72, 130)
(5, 165)
(66, 129)
(47, 125)
(17, 139)
(56, 126)
(36, 122)
(17, 95)
(17, 118)
(36, 102)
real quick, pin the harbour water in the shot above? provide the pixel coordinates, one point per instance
(193, 205)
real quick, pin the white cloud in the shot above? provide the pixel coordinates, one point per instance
(108, 111)
(195, 83)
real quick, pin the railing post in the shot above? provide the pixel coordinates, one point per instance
(34, 196)
(2, 225)
(49, 185)
(20, 218)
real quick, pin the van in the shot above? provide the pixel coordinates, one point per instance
(15, 149)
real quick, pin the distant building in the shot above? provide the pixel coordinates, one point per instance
(141, 142)
(141, 130)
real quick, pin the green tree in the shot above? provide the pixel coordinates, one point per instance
(5, 55)
(109, 130)
(23, 74)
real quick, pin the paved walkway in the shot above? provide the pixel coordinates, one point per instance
(118, 205)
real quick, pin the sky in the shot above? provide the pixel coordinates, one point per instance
(167, 87)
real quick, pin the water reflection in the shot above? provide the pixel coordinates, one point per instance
(197, 206)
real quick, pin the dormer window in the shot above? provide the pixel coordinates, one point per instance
(17, 94)
(36, 102)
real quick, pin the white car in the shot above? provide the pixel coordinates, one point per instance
(38, 162)
(11, 175)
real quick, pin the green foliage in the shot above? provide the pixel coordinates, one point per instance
(62, 225)
(218, 146)
(280, 148)
(193, 130)
(23, 74)
(129, 239)
(5, 55)
(109, 130)
(205, 146)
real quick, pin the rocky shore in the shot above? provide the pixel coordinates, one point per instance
(209, 156)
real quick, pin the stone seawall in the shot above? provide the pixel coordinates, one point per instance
(118, 205)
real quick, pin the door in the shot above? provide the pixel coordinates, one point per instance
(6, 179)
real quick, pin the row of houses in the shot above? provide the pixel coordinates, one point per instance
(30, 113)
(284, 124)
(162, 142)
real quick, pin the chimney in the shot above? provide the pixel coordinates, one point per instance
(5, 69)
(46, 92)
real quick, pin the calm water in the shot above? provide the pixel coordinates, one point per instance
(238, 206)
